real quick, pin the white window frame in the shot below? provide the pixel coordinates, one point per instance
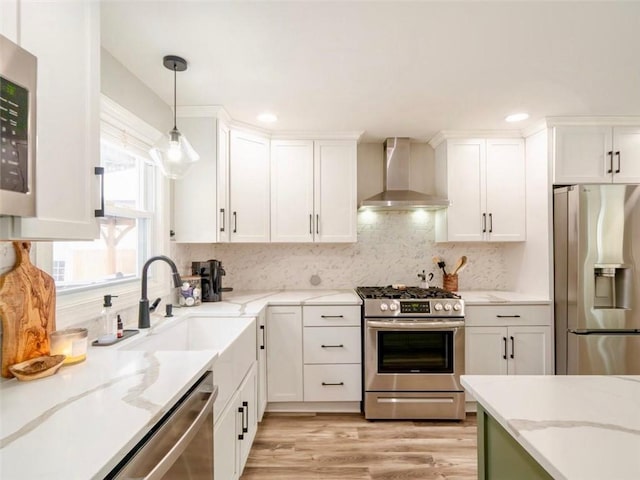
(74, 307)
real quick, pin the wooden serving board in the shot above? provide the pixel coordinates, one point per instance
(27, 309)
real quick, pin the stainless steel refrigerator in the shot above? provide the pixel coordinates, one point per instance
(597, 279)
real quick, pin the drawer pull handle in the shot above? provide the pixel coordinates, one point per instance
(331, 316)
(332, 346)
(325, 384)
(508, 316)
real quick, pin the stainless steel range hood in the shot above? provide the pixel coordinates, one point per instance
(396, 194)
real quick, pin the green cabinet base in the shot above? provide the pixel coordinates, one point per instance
(500, 456)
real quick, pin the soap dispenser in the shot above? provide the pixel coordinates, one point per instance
(108, 328)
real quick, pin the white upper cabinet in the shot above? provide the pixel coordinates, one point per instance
(292, 212)
(249, 199)
(505, 191)
(65, 37)
(335, 190)
(313, 191)
(596, 154)
(222, 181)
(485, 182)
(195, 218)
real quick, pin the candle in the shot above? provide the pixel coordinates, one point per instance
(72, 343)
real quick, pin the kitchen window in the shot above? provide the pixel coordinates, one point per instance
(125, 231)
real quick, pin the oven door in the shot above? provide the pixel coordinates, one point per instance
(414, 355)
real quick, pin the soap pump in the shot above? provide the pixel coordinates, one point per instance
(108, 328)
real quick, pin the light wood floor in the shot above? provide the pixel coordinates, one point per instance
(348, 447)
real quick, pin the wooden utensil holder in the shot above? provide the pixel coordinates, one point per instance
(450, 281)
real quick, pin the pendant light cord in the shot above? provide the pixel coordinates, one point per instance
(175, 127)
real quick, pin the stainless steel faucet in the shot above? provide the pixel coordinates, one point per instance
(144, 320)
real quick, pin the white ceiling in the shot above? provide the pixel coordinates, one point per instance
(386, 68)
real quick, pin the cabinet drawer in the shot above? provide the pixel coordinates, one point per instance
(332, 383)
(332, 345)
(331, 315)
(500, 315)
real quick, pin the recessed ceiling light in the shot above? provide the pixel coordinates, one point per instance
(267, 118)
(517, 117)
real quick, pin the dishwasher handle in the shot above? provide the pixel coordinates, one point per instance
(159, 468)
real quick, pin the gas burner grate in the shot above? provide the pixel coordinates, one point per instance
(390, 292)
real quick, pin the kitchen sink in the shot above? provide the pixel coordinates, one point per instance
(233, 338)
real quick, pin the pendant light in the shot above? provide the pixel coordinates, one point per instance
(173, 153)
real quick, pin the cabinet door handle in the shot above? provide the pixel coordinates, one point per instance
(317, 224)
(241, 435)
(513, 347)
(100, 172)
(618, 155)
(245, 417)
(610, 161)
(331, 316)
(504, 339)
(490, 222)
(235, 222)
(325, 384)
(484, 223)
(263, 342)
(310, 224)
(332, 346)
(222, 221)
(507, 316)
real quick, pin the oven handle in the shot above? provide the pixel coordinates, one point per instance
(382, 325)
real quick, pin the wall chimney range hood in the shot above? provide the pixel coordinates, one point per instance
(396, 194)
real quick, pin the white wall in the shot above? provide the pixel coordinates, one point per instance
(530, 262)
(124, 88)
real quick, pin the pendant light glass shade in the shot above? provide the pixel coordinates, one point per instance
(173, 153)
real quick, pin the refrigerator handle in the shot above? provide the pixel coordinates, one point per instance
(610, 154)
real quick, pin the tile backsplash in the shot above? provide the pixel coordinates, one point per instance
(393, 247)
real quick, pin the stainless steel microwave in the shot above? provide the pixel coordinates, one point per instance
(18, 77)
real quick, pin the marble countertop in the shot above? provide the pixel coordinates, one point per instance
(81, 421)
(575, 427)
(496, 297)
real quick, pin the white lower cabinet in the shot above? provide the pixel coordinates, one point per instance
(514, 350)
(313, 355)
(508, 340)
(235, 429)
(284, 354)
(261, 349)
(332, 383)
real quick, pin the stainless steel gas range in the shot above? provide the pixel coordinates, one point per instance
(413, 344)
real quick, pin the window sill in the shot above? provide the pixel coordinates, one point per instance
(77, 308)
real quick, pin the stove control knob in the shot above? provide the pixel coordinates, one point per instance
(393, 307)
(384, 307)
(457, 307)
(447, 307)
(437, 307)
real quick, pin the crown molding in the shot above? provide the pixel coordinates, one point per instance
(443, 135)
(306, 135)
(206, 111)
(611, 120)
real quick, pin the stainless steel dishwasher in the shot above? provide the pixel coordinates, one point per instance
(180, 445)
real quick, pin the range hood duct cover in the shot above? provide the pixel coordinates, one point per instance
(396, 194)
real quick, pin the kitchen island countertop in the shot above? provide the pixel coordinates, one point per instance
(575, 427)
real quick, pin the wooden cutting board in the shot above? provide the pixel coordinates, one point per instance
(27, 309)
